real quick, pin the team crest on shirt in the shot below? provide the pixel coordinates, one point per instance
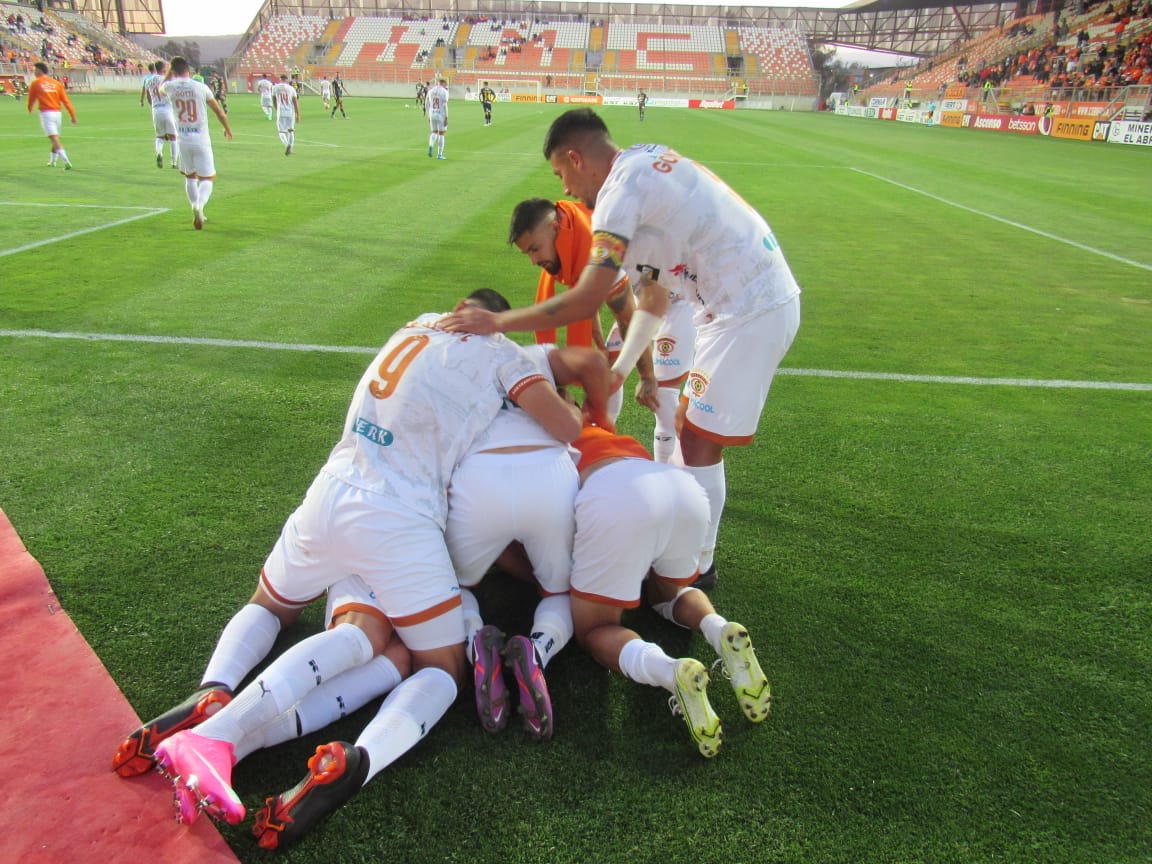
(665, 345)
(696, 388)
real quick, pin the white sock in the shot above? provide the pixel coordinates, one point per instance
(52, 158)
(175, 151)
(301, 668)
(667, 609)
(205, 194)
(347, 692)
(646, 663)
(283, 138)
(472, 620)
(432, 140)
(159, 146)
(440, 145)
(711, 477)
(664, 436)
(407, 714)
(244, 642)
(64, 156)
(292, 138)
(190, 190)
(711, 626)
(552, 626)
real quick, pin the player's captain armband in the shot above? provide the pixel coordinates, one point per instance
(607, 250)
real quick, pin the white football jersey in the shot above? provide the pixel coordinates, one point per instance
(189, 108)
(155, 96)
(264, 88)
(283, 97)
(419, 407)
(730, 264)
(437, 101)
(513, 426)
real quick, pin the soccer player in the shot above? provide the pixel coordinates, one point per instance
(191, 101)
(162, 120)
(518, 484)
(487, 97)
(264, 88)
(338, 98)
(421, 92)
(436, 107)
(144, 83)
(557, 237)
(641, 102)
(287, 102)
(639, 524)
(49, 95)
(649, 201)
(219, 85)
(326, 92)
(376, 509)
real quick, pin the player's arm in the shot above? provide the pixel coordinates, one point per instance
(547, 407)
(582, 301)
(221, 116)
(588, 368)
(622, 305)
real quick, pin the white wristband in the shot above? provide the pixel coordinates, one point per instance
(642, 329)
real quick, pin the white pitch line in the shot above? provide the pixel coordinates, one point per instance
(1081, 246)
(89, 206)
(153, 211)
(807, 373)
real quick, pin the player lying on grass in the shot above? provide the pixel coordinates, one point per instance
(519, 484)
(377, 509)
(639, 526)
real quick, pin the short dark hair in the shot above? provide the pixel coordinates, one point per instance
(527, 215)
(159, 66)
(490, 299)
(179, 65)
(42, 68)
(571, 125)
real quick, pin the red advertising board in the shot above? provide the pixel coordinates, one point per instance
(712, 103)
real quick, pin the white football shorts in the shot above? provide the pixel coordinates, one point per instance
(400, 557)
(632, 516)
(735, 362)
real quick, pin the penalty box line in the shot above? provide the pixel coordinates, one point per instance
(1051, 383)
(144, 213)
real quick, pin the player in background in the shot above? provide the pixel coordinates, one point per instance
(557, 237)
(191, 102)
(436, 107)
(640, 525)
(641, 103)
(337, 98)
(487, 97)
(144, 83)
(378, 509)
(421, 92)
(264, 88)
(518, 485)
(287, 102)
(650, 200)
(162, 119)
(49, 96)
(326, 92)
(219, 85)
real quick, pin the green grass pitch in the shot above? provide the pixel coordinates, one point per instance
(947, 582)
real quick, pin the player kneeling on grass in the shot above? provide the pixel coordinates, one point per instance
(642, 523)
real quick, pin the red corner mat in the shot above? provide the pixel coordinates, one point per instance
(62, 718)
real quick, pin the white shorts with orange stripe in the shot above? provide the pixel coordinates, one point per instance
(675, 344)
(340, 531)
(496, 498)
(735, 362)
(633, 516)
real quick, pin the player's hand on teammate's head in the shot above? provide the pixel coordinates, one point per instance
(467, 318)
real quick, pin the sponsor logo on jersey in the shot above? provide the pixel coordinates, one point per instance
(665, 345)
(375, 434)
(683, 272)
